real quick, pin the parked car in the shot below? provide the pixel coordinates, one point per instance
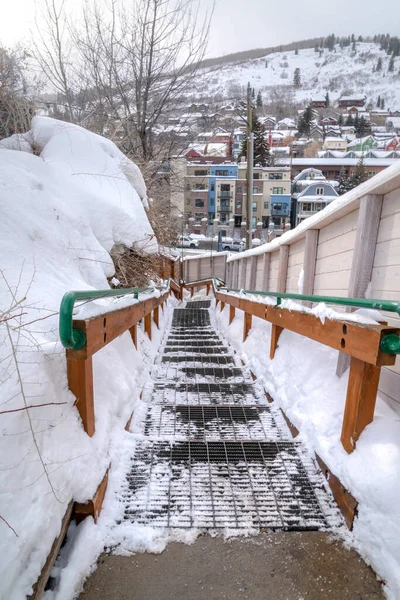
(187, 242)
(233, 245)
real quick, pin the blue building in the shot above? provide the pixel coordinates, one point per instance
(220, 173)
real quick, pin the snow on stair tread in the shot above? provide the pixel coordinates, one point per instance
(213, 453)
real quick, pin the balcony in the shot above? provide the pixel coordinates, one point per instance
(225, 194)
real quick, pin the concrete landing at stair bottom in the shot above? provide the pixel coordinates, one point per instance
(270, 566)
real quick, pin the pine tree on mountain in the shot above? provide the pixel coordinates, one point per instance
(297, 77)
(259, 101)
(362, 128)
(253, 94)
(356, 124)
(345, 183)
(340, 120)
(382, 103)
(378, 104)
(359, 175)
(304, 124)
(391, 64)
(354, 46)
(379, 64)
(262, 154)
(296, 51)
(327, 100)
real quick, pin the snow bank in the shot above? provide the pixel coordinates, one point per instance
(302, 381)
(61, 213)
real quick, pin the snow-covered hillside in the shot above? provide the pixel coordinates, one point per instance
(340, 72)
(67, 196)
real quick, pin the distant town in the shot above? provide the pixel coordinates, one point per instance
(310, 160)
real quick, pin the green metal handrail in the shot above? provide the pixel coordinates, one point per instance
(390, 343)
(75, 339)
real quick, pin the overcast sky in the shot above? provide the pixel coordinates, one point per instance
(247, 24)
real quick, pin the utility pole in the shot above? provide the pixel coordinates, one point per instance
(250, 165)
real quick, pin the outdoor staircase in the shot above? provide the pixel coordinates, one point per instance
(214, 453)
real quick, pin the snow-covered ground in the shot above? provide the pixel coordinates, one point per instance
(67, 196)
(302, 380)
(340, 72)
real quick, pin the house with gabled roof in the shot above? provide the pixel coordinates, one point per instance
(362, 144)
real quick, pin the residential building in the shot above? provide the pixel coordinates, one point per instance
(393, 124)
(349, 101)
(335, 143)
(222, 183)
(318, 102)
(311, 193)
(271, 186)
(362, 144)
(331, 167)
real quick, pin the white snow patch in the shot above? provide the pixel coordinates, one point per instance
(302, 380)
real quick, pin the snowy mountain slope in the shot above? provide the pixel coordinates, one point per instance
(340, 72)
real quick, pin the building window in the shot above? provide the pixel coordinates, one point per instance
(212, 187)
(222, 173)
(253, 222)
(277, 190)
(239, 189)
(198, 216)
(225, 187)
(200, 173)
(238, 221)
(238, 205)
(256, 176)
(199, 203)
(254, 205)
(188, 186)
(200, 186)
(256, 190)
(320, 191)
(266, 205)
(275, 176)
(307, 207)
(371, 173)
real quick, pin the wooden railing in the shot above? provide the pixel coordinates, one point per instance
(363, 343)
(100, 331)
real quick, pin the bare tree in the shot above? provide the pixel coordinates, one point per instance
(15, 109)
(53, 50)
(141, 61)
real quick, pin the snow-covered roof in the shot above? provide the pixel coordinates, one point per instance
(359, 141)
(334, 139)
(356, 97)
(395, 121)
(338, 162)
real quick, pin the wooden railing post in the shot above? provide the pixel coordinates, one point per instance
(191, 291)
(232, 311)
(156, 317)
(275, 334)
(247, 323)
(222, 305)
(362, 390)
(207, 289)
(147, 324)
(80, 382)
(133, 332)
